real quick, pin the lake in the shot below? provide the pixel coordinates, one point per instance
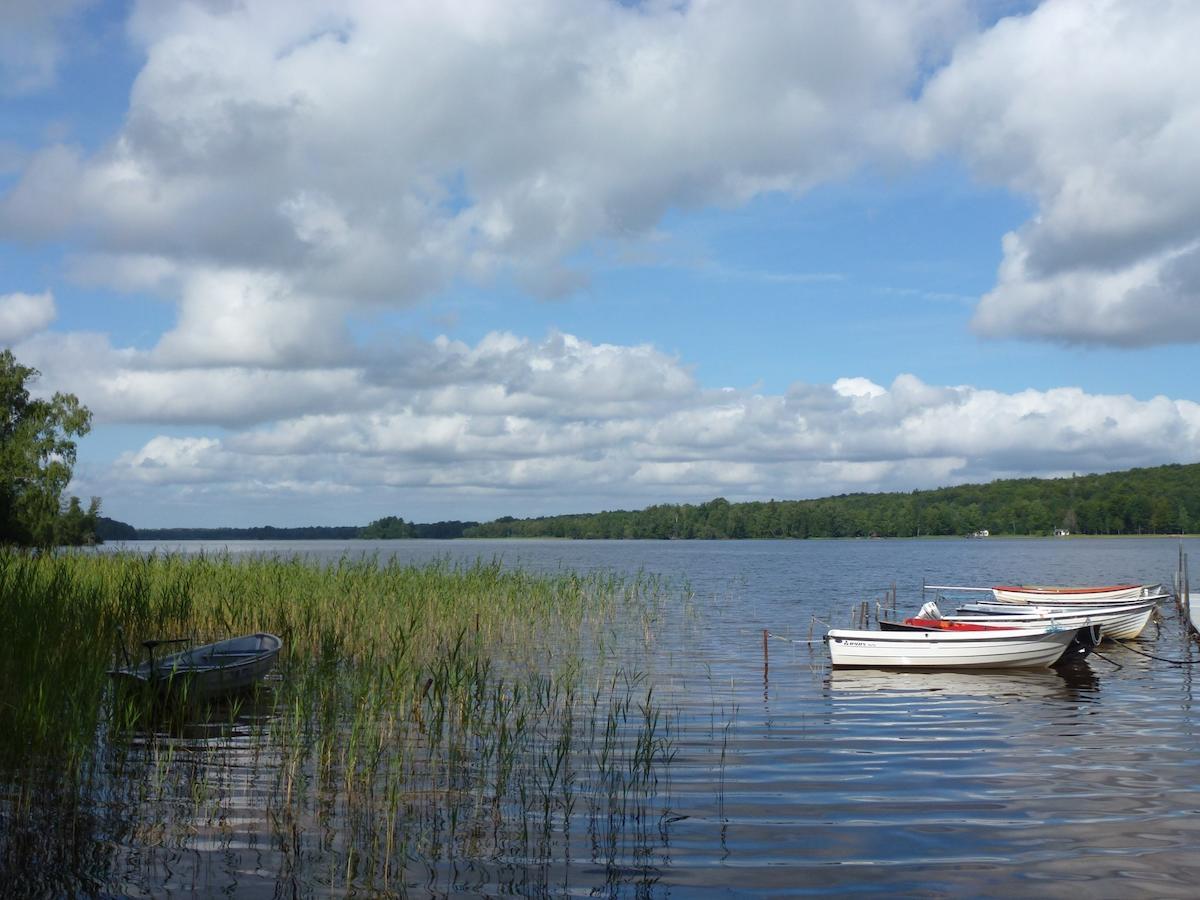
(789, 778)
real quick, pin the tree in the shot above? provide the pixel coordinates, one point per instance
(37, 454)
(74, 526)
(388, 528)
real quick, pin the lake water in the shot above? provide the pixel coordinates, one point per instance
(792, 778)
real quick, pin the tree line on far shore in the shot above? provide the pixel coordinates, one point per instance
(1159, 500)
(389, 527)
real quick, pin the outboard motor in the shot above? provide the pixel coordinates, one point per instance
(929, 611)
(1084, 642)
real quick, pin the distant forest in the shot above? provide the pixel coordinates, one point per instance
(388, 527)
(112, 530)
(1161, 500)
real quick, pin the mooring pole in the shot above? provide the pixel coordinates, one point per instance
(1187, 590)
(765, 657)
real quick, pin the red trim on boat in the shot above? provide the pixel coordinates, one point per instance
(943, 625)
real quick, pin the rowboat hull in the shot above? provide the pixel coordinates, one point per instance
(211, 670)
(1123, 622)
(1087, 635)
(989, 649)
(1040, 594)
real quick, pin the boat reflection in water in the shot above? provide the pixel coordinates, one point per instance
(222, 796)
(1076, 682)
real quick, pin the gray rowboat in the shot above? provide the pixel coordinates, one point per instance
(210, 670)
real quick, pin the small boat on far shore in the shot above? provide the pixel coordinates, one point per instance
(207, 671)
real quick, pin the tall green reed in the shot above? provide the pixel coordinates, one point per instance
(433, 713)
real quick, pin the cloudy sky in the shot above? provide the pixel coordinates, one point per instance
(318, 262)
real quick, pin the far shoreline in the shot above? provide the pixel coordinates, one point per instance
(523, 538)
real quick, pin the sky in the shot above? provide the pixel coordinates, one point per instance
(315, 263)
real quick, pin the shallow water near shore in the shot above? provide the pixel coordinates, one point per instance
(783, 777)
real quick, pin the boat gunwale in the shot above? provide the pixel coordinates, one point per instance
(1051, 590)
(1036, 613)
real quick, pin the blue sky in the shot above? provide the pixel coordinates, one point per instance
(316, 263)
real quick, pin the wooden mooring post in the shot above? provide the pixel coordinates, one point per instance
(1183, 590)
(1186, 589)
(766, 658)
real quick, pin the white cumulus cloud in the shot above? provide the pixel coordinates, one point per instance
(285, 170)
(22, 315)
(1091, 108)
(375, 152)
(505, 430)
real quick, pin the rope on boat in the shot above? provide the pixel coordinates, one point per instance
(1174, 662)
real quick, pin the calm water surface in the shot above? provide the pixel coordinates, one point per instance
(791, 778)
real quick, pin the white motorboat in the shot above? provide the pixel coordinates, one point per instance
(1045, 594)
(1061, 596)
(1124, 621)
(987, 648)
(224, 667)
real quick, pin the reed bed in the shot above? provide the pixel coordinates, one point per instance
(436, 727)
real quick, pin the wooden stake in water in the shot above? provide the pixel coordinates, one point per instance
(1187, 592)
(1181, 597)
(765, 660)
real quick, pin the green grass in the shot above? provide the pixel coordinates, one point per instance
(424, 714)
